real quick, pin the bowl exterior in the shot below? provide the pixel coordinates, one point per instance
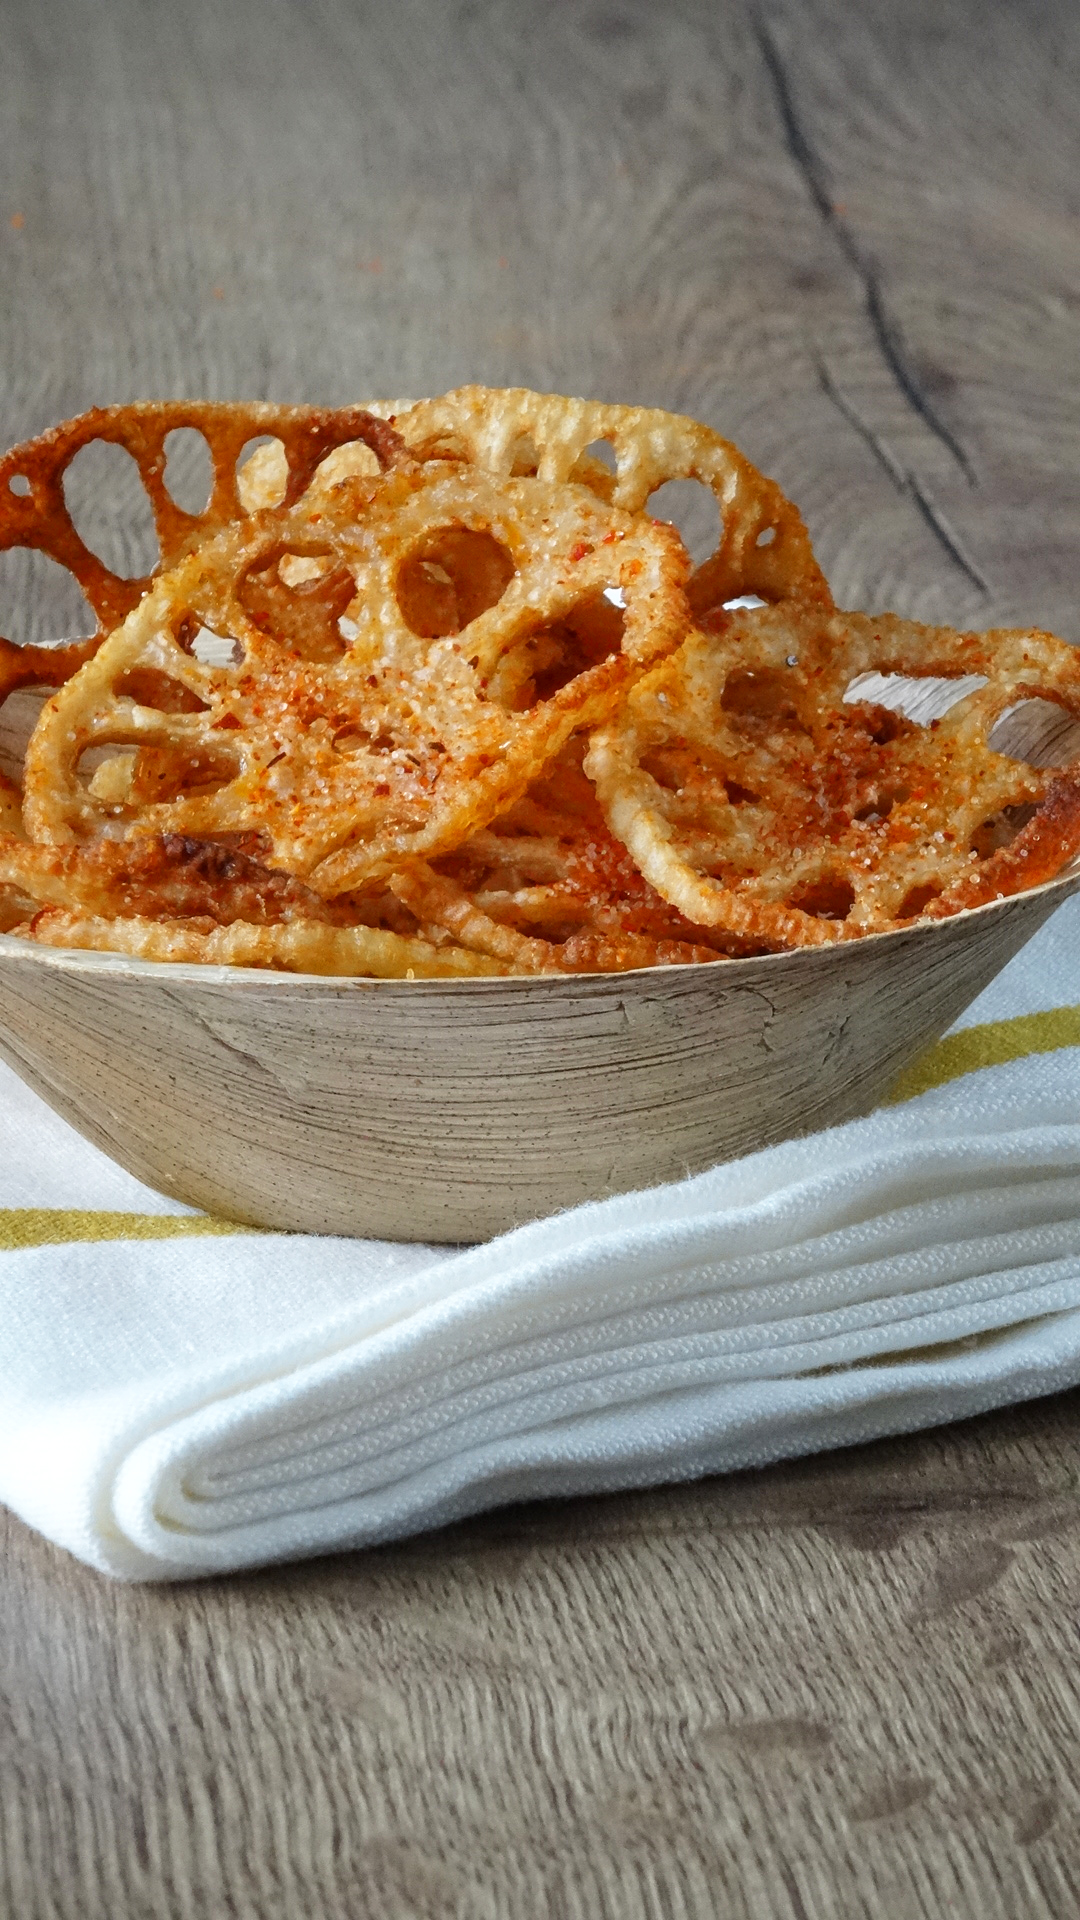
(452, 1111)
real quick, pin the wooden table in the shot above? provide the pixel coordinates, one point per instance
(846, 232)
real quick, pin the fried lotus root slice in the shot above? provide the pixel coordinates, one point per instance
(34, 511)
(358, 740)
(763, 547)
(263, 475)
(302, 946)
(759, 800)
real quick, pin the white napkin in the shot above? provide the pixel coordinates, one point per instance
(178, 1400)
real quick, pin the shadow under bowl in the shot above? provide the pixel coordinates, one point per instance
(454, 1110)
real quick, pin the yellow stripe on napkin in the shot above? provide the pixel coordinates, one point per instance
(991, 1045)
(52, 1226)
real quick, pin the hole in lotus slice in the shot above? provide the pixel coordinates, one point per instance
(691, 507)
(1000, 830)
(765, 537)
(212, 649)
(740, 796)
(19, 716)
(111, 510)
(167, 773)
(745, 601)
(19, 484)
(542, 662)
(343, 463)
(189, 469)
(40, 601)
(920, 698)
(297, 598)
(297, 570)
(262, 473)
(107, 774)
(668, 767)
(452, 577)
(1038, 732)
(120, 775)
(524, 456)
(885, 799)
(916, 900)
(597, 469)
(830, 897)
(763, 694)
(150, 687)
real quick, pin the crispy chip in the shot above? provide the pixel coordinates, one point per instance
(302, 946)
(350, 723)
(363, 684)
(34, 512)
(758, 799)
(547, 887)
(763, 546)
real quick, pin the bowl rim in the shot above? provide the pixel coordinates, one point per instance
(185, 972)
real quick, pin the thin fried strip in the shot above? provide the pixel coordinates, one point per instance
(568, 881)
(300, 947)
(436, 900)
(625, 952)
(164, 874)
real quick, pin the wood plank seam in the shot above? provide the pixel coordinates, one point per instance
(904, 479)
(884, 327)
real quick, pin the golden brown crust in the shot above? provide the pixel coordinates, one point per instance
(340, 726)
(761, 801)
(301, 946)
(35, 514)
(357, 748)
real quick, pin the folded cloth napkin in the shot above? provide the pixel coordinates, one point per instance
(179, 1396)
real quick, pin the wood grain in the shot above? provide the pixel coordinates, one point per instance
(845, 1686)
(844, 232)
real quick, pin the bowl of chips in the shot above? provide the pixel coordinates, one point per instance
(424, 844)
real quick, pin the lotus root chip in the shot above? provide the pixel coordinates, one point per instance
(760, 798)
(365, 682)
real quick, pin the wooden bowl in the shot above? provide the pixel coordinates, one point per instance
(452, 1110)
